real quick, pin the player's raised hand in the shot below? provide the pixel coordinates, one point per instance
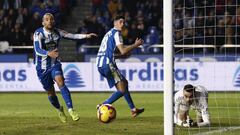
(91, 35)
(139, 41)
(53, 53)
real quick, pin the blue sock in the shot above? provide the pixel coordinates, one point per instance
(128, 98)
(54, 101)
(115, 96)
(66, 96)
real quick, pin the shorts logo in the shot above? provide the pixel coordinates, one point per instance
(236, 78)
(73, 77)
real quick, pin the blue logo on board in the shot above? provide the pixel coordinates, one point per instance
(236, 78)
(73, 77)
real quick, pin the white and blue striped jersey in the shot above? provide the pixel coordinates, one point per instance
(108, 45)
(45, 41)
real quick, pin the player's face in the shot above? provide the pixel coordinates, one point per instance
(188, 97)
(48, 22)
(119, 24)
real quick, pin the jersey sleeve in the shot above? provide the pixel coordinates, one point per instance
(38, 49)
(176, 108)
(204, 107)
(67, 35)
(205, 117)
(205, 114)
(118, 38)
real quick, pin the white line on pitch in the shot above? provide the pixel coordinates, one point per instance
(219, 130)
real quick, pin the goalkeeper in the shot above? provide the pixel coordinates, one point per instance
(196, 98)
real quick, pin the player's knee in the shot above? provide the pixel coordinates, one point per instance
(60, 83)
(51, 93)
(122, 90)
(122, 86)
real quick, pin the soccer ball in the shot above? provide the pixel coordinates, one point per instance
(106, 113)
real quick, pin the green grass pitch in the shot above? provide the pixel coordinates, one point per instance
(32, 114)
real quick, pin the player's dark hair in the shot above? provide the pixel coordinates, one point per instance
(189, 88)
(118, 17)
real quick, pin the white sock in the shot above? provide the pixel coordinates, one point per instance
(70, 109)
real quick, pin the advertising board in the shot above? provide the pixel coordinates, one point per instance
(141, 76)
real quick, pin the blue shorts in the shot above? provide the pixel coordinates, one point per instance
(46, 77)
(112, 74)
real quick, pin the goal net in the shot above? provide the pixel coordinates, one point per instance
(206, 48)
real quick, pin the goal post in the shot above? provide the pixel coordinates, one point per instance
(168, 67)
(201, 46)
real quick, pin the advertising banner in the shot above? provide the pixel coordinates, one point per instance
(23, 77)
(215, 76)
(18, 77)
(177, 58)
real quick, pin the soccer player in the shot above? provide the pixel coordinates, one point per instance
(48, 66)
(107, 67)
(195, 97)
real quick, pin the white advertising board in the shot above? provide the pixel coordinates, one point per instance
(18, 77)
(215, 76)
(23, 77)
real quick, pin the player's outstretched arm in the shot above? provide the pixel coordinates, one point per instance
(90, 35)
(67, 35)
(205, 118)
(124, 49)
(119, 56)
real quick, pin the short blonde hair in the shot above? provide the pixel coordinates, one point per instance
(47, 14)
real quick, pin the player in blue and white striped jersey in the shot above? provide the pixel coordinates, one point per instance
(107, 67)
(46, 40)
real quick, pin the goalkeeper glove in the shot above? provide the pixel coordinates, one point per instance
(185, 124)
(191, 123)
(188, 123)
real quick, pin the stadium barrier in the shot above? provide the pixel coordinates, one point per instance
(148, 47)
